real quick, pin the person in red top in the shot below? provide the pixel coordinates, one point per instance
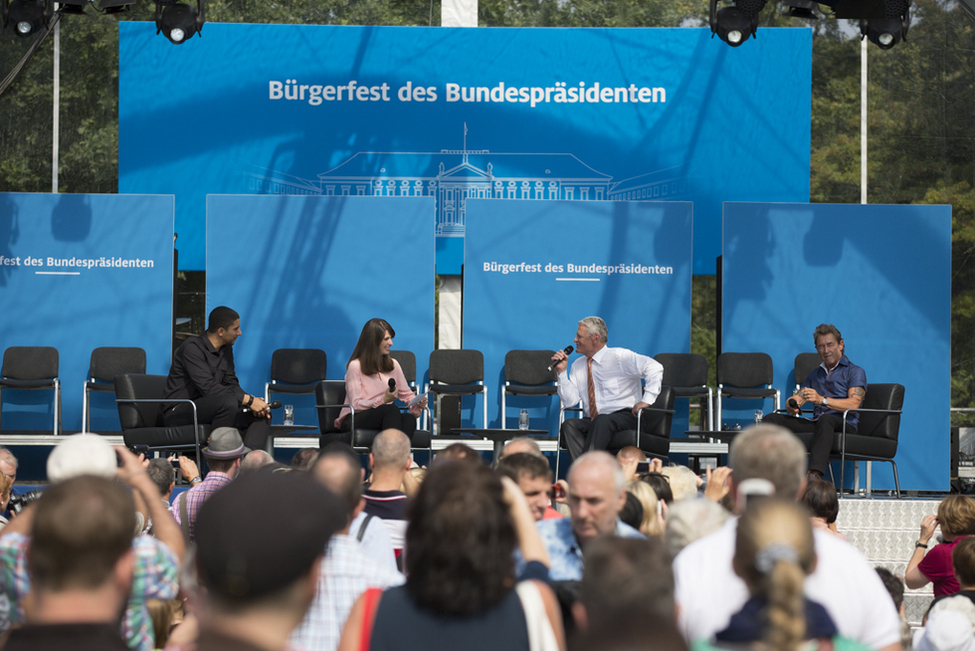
(956, 515)
(367, 388)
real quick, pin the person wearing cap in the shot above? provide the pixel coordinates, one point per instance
(223, 455)
(157, 557)
(260, 580)
(203, 371)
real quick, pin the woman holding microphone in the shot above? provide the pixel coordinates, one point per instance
(373, 382)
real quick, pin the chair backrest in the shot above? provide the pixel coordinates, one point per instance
(30, 363)
(329, 392)
(109, 361)
(805, 364)
(131, 386)
(683, 369)
(664, 401)
(298, 365)
(463, 366)
(744, 369)
(529, 367)
(407, 361)
(881, 396)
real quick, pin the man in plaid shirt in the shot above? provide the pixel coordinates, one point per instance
(156, 567)
(223, 455)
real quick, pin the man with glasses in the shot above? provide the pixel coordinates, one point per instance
(832, 387)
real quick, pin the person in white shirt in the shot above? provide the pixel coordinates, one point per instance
(607, 383)
(708, 591)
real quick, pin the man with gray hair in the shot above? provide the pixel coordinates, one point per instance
(768, 458)
(390, 462)
(596, 496)
(607, 383)
(521, 445)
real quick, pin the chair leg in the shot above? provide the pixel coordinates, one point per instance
(57, 407)
(897, 483)
(85, 420)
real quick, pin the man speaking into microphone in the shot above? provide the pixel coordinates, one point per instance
(607, 383)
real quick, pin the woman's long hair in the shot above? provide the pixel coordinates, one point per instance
(368, 351)
(459, 541)
(774, 553)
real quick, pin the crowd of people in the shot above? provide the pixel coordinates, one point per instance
(339, 552)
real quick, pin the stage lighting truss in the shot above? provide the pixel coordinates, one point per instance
(177, 21)
(884, 22)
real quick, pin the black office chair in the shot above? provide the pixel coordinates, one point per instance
(141, 399)
(653, 439)
(30, 368)
(296, 371)
(877, 431)
(687, 375)
(330, 400)
(526, 374)
(107, 362)
(407, 361)
(460, 373)
(805, 364)
(745, 375)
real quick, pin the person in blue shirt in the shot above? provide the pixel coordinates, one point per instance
(832, 387)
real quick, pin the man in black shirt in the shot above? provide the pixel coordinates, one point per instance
(203, 371)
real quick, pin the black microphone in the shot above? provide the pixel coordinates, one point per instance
(274, 404)
(392, 384)
(568, 351)
(792, 403)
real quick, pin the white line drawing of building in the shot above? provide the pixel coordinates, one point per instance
(454, 175)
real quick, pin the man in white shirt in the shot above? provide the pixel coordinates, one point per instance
(708, 592)
(607, 383)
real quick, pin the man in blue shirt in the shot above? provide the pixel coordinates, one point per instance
(596, 495)
(832, 387)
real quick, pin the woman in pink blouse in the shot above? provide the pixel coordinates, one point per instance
(367, 388)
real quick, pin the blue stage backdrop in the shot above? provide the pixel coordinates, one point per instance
(308, 272)
(80, 271)
(534, 269)
(567, 114)
(881, 274)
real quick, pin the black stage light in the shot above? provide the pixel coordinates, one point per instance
(27, 17)
(177, 21)
(884, 32)
(733, 26)
(800, 12)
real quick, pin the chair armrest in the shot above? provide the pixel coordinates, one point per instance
(639, 414)
(876, 411)
(196, 423)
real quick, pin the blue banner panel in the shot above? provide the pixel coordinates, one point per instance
(80, 271)
(308, 272)
(882, 275)
(564, 114)
(534, 269)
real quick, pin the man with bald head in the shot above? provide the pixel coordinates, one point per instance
(596, 496)
(521, 445)
(390, 461)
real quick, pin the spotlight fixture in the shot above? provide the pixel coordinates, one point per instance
(884, 32)
(177, 21)
(27, 17)
(734, 25)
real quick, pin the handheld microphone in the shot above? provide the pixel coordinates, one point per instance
(792, 403)
(274, 404)
(568, 351)
(392, 384)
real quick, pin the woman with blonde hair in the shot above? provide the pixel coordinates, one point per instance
(774, 553)
(653, 522)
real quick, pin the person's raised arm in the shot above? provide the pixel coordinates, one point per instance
(913, 577)
(164, 527)
(568, 391)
